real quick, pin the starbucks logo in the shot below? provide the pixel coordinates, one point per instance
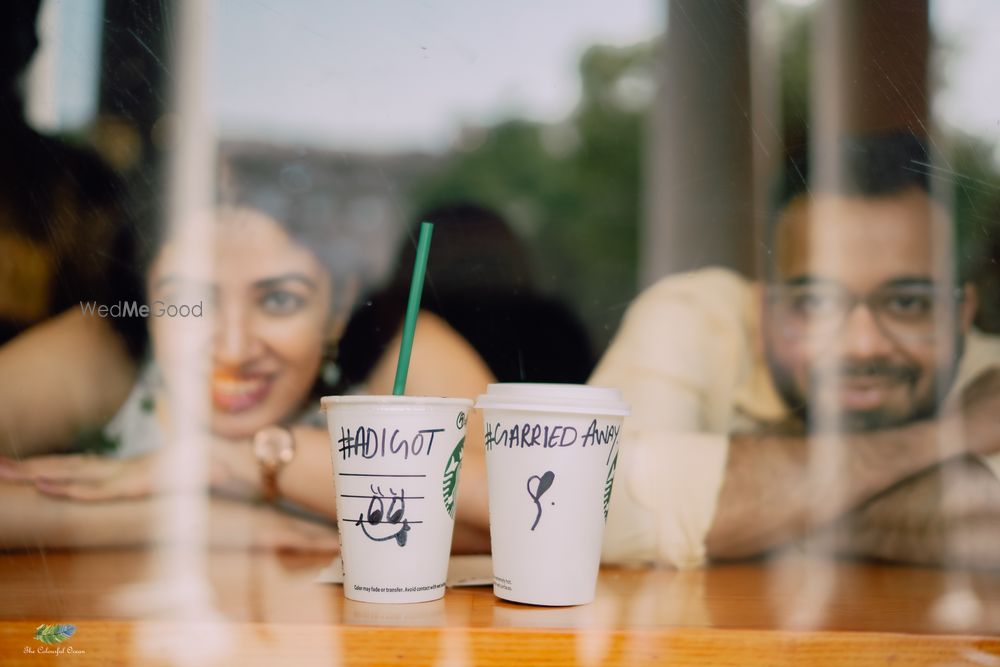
(608, 483)
(450, 482)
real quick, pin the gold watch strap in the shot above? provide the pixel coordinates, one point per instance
(274, 448)
(269, 483)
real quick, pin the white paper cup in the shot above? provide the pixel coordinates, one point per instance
(551, 451)
(395, 464)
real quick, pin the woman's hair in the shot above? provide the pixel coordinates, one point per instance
(294, 194)
(286, 190)
(290, 191)
(480, 281)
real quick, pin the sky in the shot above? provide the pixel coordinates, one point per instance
(63, 74)
(387, 75)
(391, 73)
(969, 31)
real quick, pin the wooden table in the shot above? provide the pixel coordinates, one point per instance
(264, 608)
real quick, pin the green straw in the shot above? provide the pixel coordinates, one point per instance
(413, 307)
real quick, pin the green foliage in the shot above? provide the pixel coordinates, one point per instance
(793, 62)
(976, 200)
(450, 481)
(608, 483)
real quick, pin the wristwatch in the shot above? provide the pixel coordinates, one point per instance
(274, 448)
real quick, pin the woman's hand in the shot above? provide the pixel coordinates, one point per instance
(234, 470)
(242, 526)
(87, 477)
(32, 520)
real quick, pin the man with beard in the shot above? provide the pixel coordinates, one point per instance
(846, 400)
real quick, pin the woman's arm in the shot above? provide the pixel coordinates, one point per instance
(31, 520)
(445, 364)
(442, 364)
(63, 376)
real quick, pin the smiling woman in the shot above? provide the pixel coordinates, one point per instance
(277, 296)
(273, 301)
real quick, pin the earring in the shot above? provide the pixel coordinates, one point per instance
(330, 372)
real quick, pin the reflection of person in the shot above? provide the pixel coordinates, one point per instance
(281, 288)
(479, 280)
(834, 395)
(60, 218)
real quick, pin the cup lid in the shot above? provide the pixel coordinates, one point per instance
(327, 402)
(538, 397)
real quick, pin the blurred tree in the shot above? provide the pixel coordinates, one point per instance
(572, 189)
(972, 167)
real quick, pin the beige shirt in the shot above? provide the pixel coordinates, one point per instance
(689, 360)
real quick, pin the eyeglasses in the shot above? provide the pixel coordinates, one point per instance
(906, 313)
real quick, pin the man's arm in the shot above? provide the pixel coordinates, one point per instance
(770, 494)
(949, 515)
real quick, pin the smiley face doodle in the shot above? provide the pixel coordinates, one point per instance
(378, 516)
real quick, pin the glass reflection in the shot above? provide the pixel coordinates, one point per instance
(775, 228)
